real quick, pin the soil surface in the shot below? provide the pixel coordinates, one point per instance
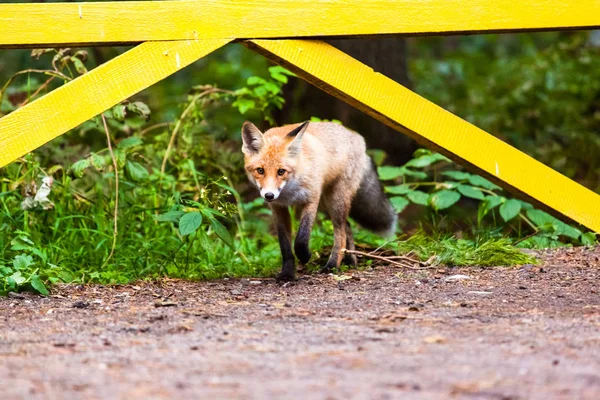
(531, 332)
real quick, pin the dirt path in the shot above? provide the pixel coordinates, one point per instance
(528, 333)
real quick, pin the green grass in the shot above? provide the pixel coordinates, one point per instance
(463, 252)
(55, 247)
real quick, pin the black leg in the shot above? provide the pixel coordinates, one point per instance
(301, 245)
(349, 259)
(283, 225)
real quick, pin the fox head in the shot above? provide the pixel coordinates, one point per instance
(271, 159)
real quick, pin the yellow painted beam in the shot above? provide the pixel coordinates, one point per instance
(346, 78)
(130, 21)
(89, 95)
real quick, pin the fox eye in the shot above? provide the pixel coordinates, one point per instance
(280, 171)
(260, 171)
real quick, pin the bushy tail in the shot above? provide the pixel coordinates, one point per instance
(371, 208)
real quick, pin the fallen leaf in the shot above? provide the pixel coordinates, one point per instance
(435, 339)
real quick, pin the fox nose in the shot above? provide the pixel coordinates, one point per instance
(269, 196)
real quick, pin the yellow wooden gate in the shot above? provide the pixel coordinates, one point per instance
(174, 34)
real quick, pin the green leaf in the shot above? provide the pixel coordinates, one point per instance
(17, 278)
(418, 197)
(66, 276)
(471, 192)
(22, 261)
(129, 142)
(211, 213)
(204, 241)
(525, 205)
(399, 189)
(415, 174)
(477, 180)
(121, 158)
(221, 232)
(119, 112)
(444, 199)
(21, 243)
(98, 162)
(588, 239)
(170, 216)
(255, 80)
(399, 203)
(189, 223)
(272, 87)
(260, 91)
(510, 209)
(541, 219)
(79, 167)
(493, 201)
(388, 173)
(139, 108)
(566, 230)
(422, 152)
(38, 285)
(280, 74)
(425, 160)
(244, 105)
(79, 66)
(457, 175)
(136, 171)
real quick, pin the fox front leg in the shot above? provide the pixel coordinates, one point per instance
(283, 224)
(307, 218)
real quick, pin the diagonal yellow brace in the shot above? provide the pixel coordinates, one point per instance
(89, 95)
(346, 78)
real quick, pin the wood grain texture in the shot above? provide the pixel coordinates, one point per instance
(129, 21)
(346, 78)
(89, 95)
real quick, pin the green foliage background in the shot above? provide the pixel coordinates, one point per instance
(198, 218)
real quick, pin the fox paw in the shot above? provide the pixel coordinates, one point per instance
(286, 276)
(327, 269)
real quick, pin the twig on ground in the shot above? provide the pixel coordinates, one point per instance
(424, 265)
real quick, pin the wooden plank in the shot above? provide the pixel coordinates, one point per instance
(346, 78)
(130, 21)
(89, 95)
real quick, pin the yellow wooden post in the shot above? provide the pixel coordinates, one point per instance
(348, 79)
(65, 108)
(137, 21)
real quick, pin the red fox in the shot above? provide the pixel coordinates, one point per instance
(304, 165)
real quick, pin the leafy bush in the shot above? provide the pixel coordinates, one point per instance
(433, 181)
(172, 219)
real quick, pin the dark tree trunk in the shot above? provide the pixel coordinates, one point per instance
(385, 55)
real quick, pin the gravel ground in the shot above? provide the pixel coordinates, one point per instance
(531, 332)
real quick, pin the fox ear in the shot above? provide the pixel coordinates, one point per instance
(296, 146)
(252, 138)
